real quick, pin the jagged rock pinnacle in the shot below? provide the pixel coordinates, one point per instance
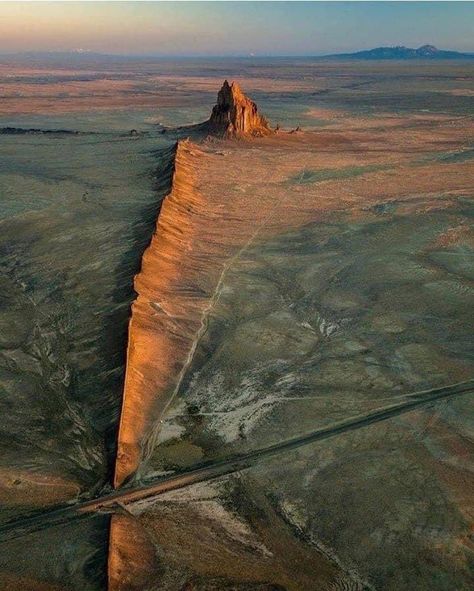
(235, 114)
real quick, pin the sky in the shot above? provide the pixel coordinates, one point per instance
(232, 28)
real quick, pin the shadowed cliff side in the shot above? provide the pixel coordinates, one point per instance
(73, 232)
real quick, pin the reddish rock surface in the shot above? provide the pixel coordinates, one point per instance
(235, 114)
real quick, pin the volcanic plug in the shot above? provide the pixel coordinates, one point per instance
(235, 114)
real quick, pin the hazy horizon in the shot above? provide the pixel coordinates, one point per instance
(184, 57)
(231, 29)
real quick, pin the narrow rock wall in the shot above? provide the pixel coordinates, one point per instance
(166, 315)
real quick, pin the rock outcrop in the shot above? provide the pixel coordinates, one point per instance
(235, 114)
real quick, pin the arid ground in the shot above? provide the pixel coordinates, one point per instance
(290, 407)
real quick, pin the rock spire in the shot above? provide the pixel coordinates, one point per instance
(235, 114)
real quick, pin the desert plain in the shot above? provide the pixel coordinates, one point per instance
(187, 320)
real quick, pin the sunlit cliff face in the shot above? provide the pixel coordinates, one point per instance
(157, 311)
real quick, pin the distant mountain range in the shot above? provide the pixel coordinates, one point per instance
(400, 52)
(404, 53)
